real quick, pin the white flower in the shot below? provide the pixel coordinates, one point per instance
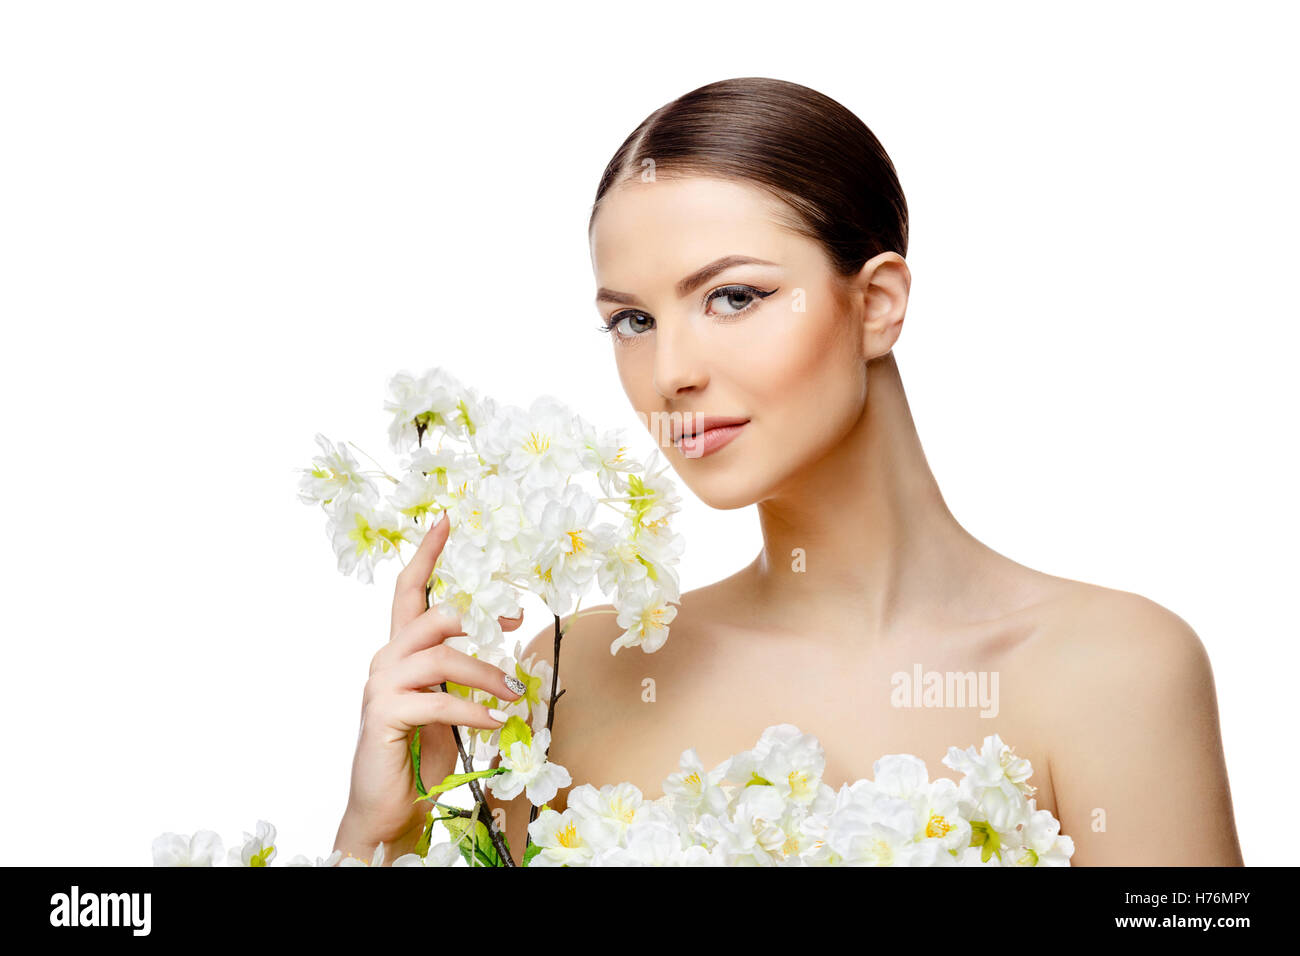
(994, 765)
(334, 477)
(751, 835)
(465, 583)
(258, 849)
(560, 836)
(330, 860)
(650, 842)
(440, 854)
(565, 544)
(420, 404)
(621, 566)
(605, 455)
(173, 849)
(645, 613)
(536, 673)
(364, 535)
(651, 495)
(450, 473)
(376, 860)
(488, 511)
(528, 769)
(900, 818)
(693, 789)
(1043, 845)
(871, 831)
(935, 806)
(538, 448)
(608, 811)
(475, 411)
(631, 560)
(993, 790)
(784, 758)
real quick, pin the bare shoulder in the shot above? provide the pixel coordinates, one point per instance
(1127, 700)
(1102, 641)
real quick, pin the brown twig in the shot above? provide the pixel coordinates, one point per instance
(493, 833)
(550, 712)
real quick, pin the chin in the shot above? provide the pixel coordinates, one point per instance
(724, 488)
(727, 499)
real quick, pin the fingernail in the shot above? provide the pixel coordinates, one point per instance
(516, 685)
(500, 715)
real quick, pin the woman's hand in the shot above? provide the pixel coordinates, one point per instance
(401, 695)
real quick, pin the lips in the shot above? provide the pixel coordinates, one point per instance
(698, 424)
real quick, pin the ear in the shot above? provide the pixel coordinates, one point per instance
(880, 291)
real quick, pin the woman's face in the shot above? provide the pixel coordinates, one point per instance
(778, 345)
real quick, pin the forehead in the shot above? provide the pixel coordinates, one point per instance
(673, 226)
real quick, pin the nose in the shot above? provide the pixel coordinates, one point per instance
(679, 362)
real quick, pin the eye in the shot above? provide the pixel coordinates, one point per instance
(729, 295)
(632, 329)
(737, 300)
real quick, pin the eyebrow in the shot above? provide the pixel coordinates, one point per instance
(691, 282)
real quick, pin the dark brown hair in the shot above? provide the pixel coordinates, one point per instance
(797, 144)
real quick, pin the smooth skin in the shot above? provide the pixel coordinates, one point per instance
(863, 572)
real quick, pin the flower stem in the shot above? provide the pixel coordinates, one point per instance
(493, 833)
(382, 470)
(591, 610)
(550, 710)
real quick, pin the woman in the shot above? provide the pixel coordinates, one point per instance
(748, 243)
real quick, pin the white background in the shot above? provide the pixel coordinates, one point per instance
(224, 225)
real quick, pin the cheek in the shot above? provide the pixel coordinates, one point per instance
(809, 376)
(636, 373)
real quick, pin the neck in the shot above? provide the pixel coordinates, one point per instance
(879, 544)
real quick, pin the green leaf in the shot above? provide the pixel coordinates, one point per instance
(756, 781)
(415, 762)
(532, 851)
(514, 729)
(982, 834)
(476, 847)
(453, 780)
(422, 847)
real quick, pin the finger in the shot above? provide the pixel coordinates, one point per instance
(408, 594)
(428, 629)
(434, 665)
(511, 623)
(416, 709)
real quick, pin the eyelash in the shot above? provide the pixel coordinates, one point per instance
(718, 293)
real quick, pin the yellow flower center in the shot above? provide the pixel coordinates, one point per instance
(568, 837)
(798, 782)
(937, 825)
(883, 853)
